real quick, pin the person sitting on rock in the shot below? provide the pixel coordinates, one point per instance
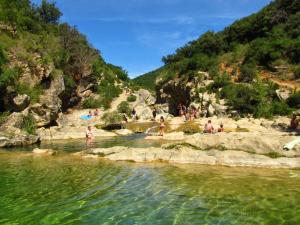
(208, 128)
(294, 122)
(90, 113)
(221, 128)
(97, 112)
(161, 126)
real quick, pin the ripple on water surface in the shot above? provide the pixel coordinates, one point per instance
(67, 190)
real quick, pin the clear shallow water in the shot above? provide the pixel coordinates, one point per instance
(75, 145)
(68, 190)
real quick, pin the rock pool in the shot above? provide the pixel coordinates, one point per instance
(68, 190)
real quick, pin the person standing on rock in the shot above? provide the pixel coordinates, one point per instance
(133, 113)
(89, 135)
(154, 114)
(294, 123)
(161, 126)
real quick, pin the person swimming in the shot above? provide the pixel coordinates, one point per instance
(208, 128)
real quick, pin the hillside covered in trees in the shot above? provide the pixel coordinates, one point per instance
(247, 62)
(47, 67)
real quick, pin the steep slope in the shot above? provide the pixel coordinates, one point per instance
(245, 57)
(46, 67)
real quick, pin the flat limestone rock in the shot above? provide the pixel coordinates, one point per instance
(189, 156)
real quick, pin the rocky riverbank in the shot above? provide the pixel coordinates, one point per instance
(187, 155)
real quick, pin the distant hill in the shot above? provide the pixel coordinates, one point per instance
(264, 46)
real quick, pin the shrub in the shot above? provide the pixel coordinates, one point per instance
(297, 73)
(9, 76)
(123, 107)
(219, 82)
(131, 98)
(29, 124)
(34, 93)
(3, 117)
(294, 100)
(90, 102)
(248, 72)
(112, 118)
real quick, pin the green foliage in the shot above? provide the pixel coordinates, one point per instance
(9, 77)
(297, 73)
(29, 125)
(131, 98)
(34, 93)
(112, 118)
(294, 100)
(49, 12)
(248, 72)
(70, 84)
(124, 107)
(147, 81)
(219, 82)
(256, 99)
(119, 72)
(90, 103)
(3, 117)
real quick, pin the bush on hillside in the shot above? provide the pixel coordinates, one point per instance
(294, 100)
(124, 107)
(34, 93)
(297, 73)
(112, 118)
(29, 125)
(90, 103)
(3, 117)
(256, 99)
(248, 72)
(131, 98)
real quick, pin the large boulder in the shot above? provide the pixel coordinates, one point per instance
(283, 94)
(144, 96)
(47, 110)
(14, 120)
(21, 139)
(21, 102)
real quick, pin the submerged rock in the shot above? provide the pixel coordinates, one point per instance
(44, 151)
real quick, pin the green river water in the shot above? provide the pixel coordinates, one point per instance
(64, 189)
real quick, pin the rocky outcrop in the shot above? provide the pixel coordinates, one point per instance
(187, 155)
(186, 91)
(21, 102)
(20, 139)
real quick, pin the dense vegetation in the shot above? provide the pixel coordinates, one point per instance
(265, 41)
(28, 30)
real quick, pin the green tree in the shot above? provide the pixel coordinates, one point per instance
(49, 12)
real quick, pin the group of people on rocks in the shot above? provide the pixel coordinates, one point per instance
(95, 113)
(189, 113)
(209, 128)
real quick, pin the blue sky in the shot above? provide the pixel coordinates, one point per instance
(136, 34)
